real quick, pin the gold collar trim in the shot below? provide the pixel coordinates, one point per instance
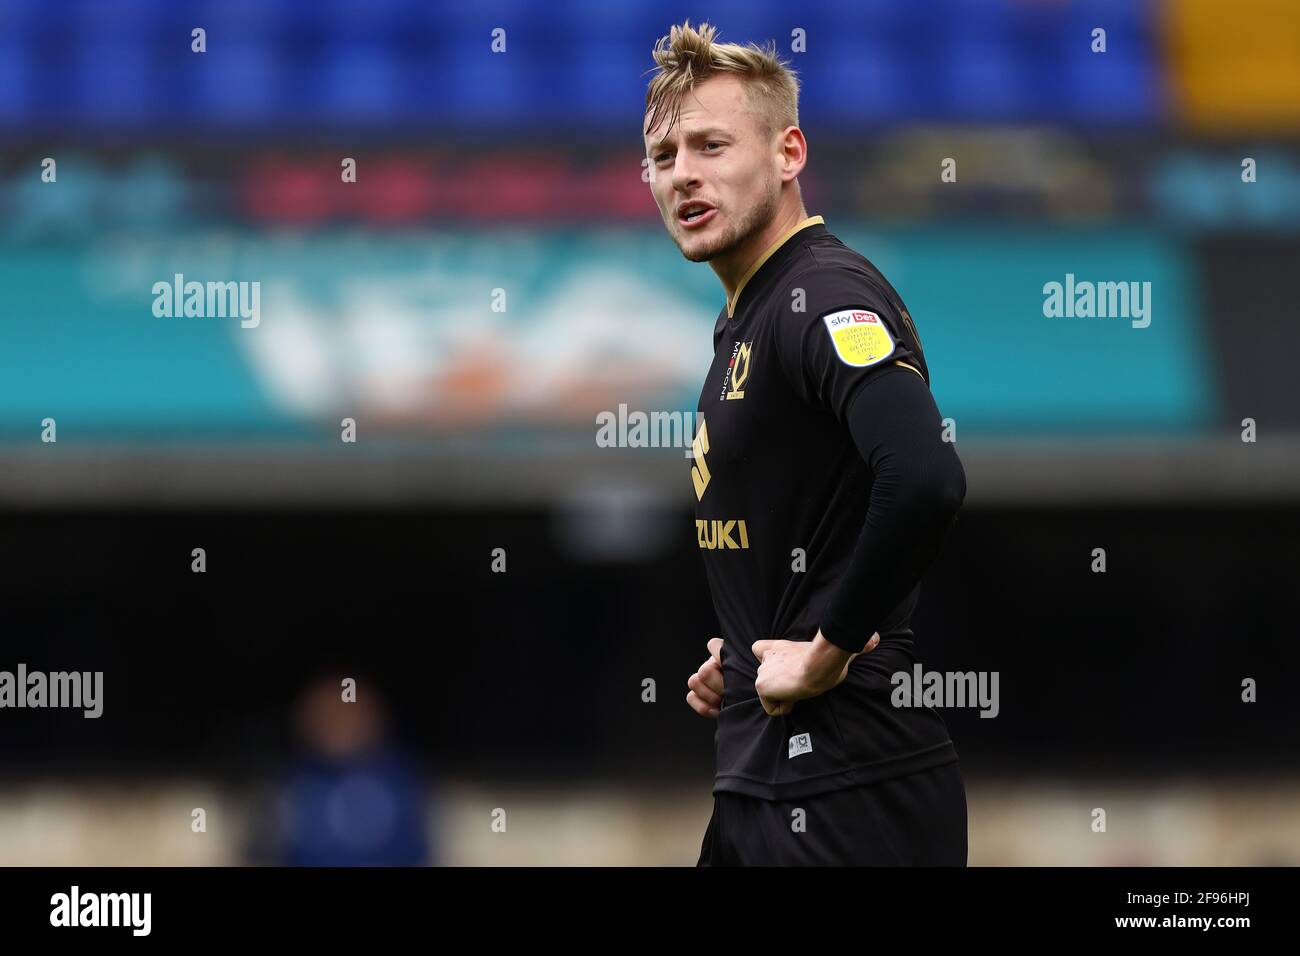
(810, 221)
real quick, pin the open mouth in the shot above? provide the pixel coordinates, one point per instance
(694, 215)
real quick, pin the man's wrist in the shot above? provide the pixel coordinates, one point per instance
(846, 639)
(826, 661)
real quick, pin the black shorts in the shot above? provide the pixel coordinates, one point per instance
(915, 820)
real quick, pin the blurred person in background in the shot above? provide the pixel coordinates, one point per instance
(351, 797)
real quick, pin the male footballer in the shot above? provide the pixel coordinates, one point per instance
(823, 483)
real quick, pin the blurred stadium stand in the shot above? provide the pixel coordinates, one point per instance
(477, 429)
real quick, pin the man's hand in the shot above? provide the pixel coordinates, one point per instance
(705, 696)
(795, 670)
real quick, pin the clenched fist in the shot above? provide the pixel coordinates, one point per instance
(790, 671)
(705, 695)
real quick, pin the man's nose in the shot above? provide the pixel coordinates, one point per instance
(684, 175)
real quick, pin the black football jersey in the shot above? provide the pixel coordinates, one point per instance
(781, 497)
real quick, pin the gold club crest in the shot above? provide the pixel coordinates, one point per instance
(734, 383)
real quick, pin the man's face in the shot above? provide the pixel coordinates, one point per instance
(716, 174)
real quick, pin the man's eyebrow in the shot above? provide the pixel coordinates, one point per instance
(694, 135)
(708, 132)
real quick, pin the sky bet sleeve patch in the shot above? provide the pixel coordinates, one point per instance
(860, 337)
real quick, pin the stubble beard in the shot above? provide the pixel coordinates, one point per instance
(755, 220)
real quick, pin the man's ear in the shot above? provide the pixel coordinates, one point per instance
(794, 153)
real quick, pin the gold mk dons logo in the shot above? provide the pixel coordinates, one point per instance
(733, 383)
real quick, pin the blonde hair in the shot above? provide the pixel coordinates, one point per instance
(687, 55)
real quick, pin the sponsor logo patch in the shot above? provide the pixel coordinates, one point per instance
(860, 337)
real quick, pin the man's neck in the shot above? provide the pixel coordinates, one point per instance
(732, 267)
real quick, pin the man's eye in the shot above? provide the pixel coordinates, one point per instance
(707, 145)
(663, 157)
